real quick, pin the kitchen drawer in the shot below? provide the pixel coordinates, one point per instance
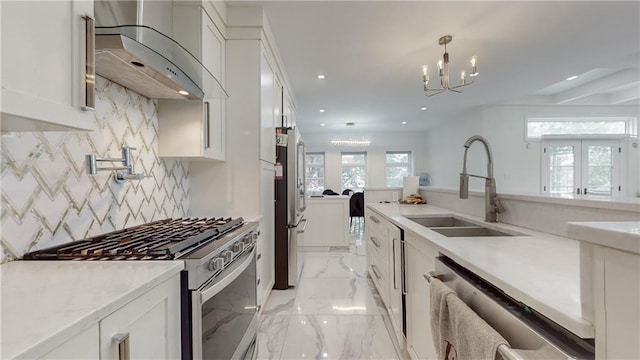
(376, 222)
(379, 272)
(378, 244)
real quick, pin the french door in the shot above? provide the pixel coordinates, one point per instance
(581, 168)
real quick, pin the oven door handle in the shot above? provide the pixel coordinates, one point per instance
(207, 294)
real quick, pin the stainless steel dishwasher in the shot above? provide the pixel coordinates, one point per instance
(530, 334)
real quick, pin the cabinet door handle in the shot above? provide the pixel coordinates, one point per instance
(578, 191)
(374, 219)
(375, 272)
(403, 270)
(207, 125)
(375, 242)
(90, 64)
(393, 248)
(585, 191)
(258, 283)
(122, 340)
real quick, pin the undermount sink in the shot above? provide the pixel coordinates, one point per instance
(440, 221)
(451, 226)
(470, 231)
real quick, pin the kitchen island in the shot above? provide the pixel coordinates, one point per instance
(540, 270)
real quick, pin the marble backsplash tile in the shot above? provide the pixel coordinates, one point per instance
(47, 197)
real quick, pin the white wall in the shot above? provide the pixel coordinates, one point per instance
(516, 161)
(380, 144)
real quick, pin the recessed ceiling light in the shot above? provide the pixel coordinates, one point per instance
(321, 124)
(321, 76)
(321, 110)
(572, 77)
(182, 92)
(423, 108)
(404, 123)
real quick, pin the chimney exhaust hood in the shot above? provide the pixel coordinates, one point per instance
(141, 58)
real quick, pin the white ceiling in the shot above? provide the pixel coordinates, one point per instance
(371, 53)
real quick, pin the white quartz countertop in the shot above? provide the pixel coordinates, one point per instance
(45, 303)
(621, 235)
(538, 269)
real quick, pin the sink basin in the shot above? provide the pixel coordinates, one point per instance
(439, 221)
(471, 231)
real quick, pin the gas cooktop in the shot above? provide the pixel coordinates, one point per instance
(159, 240)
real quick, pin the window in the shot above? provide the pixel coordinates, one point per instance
(582, 168)
(537, 127)
(314, 172)
(354, 171)
(398, 166)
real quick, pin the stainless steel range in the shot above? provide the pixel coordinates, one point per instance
(218, 299)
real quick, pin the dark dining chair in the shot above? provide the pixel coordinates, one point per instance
(347, 192)
(356, 207)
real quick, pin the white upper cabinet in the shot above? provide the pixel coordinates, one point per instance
(44, 56)
(196, 129)
(268, 108)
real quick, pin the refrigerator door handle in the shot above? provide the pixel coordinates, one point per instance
(303, 147)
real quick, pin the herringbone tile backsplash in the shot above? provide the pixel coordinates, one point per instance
(47, 197)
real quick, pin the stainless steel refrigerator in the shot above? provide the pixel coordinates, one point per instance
(289, 206)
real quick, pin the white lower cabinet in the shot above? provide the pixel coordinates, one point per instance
(384, 259)
(616, 289)
(420, 261)
(82, 346)
(266, 244)
(152, 323)
(395, 305)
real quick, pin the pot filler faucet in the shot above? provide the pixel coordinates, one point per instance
(491, 205)
(123, 173)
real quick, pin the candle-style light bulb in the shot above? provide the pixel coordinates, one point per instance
(474, 59)
(425, 70)
(440, 64)
(462, 74)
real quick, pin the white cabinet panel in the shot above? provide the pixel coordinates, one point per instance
(43, 65)
(327, 221)
(267, 110)
(196, 129)
(617, 295)
(82, 346)
(419, 262)
(152, 322)
(266, 248)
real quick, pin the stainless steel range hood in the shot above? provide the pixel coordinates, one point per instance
(131, 52)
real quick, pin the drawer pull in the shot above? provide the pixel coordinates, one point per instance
(375, 272)
(375, 242)
(122, 340)
(374, 219)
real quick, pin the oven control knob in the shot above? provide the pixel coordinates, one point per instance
(238, 247)
(255, 234)
(248, 239)
(216, 264)
(227, 255)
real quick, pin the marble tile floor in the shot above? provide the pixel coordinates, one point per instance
(334, 313)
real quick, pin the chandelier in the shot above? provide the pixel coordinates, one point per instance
(443, 70)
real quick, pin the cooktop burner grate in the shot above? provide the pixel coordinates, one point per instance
(159, 240)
